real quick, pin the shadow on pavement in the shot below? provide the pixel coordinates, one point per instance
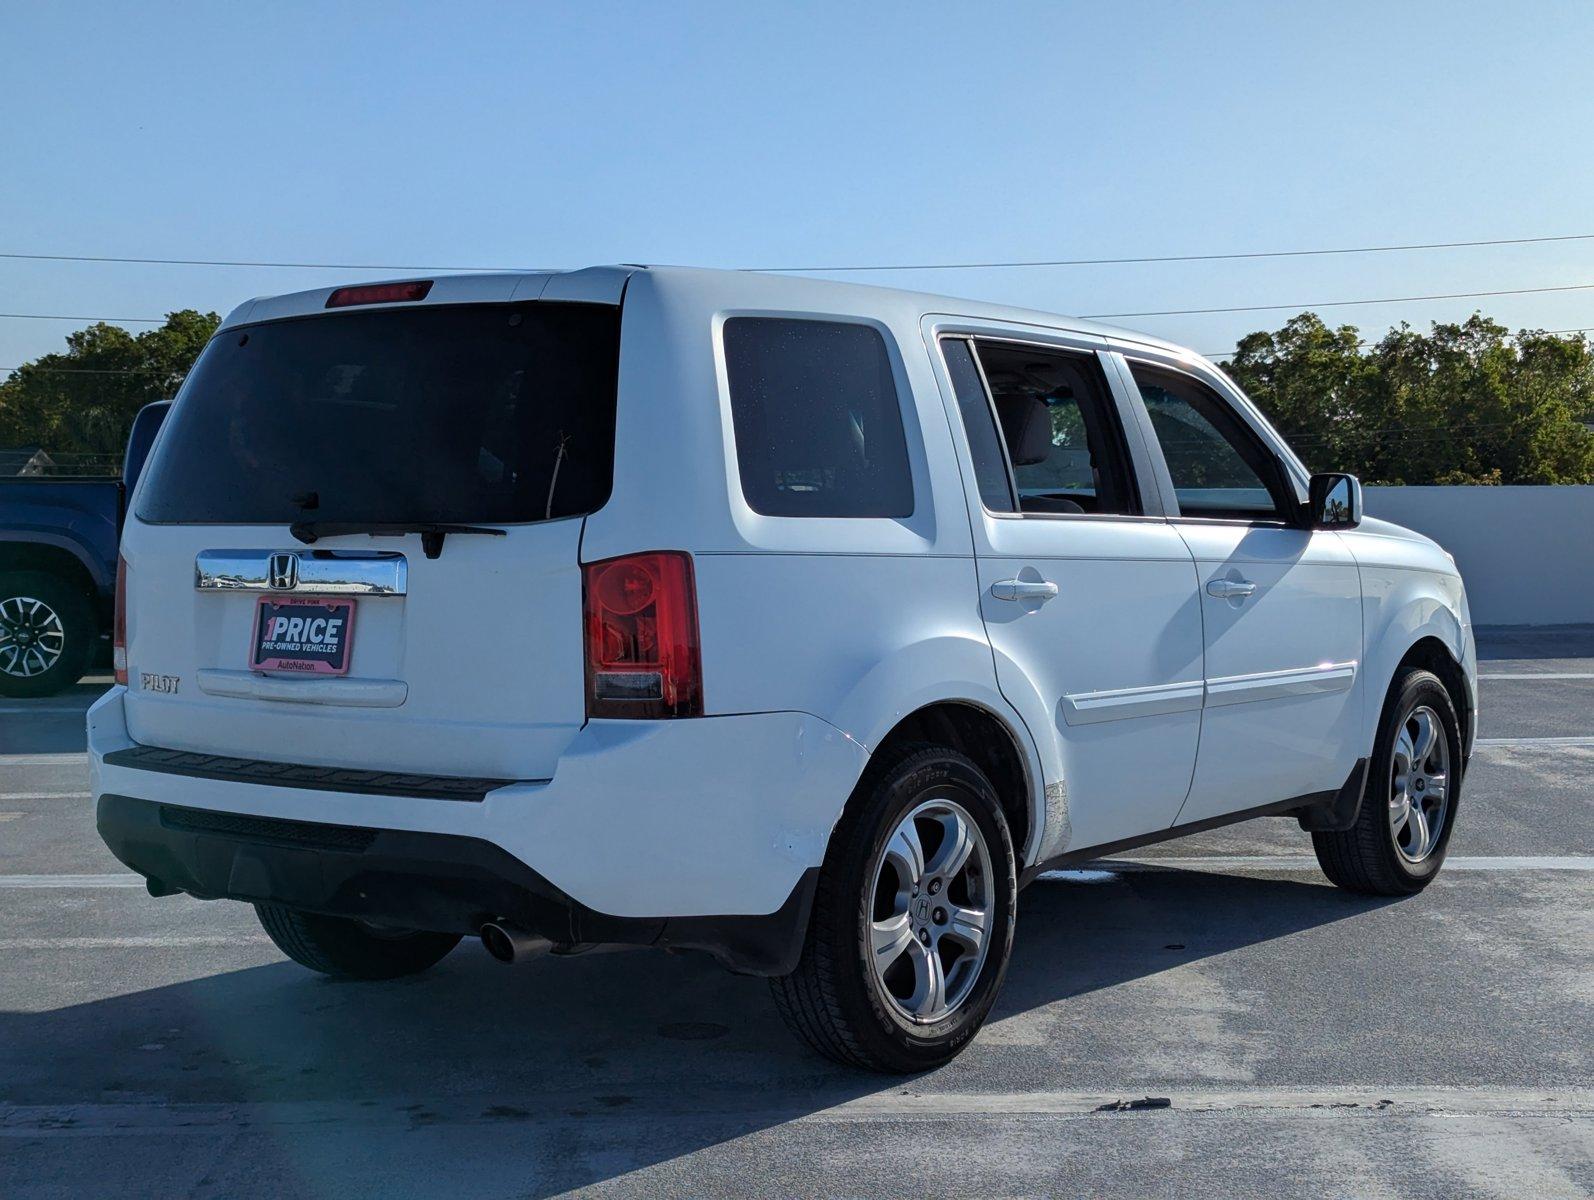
(644, 1036)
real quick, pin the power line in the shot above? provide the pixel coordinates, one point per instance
(1168, 258)
(1188, 312)
(113, 320)
(85, 370)
(1370, 341)
(841, 267)
(1166, 312)
(224, 262)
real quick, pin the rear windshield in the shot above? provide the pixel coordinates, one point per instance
(471, 413)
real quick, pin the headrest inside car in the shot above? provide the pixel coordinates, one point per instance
(1027, 426)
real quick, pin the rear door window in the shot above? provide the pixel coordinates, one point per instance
(817, 419)
(458, 414)
(1060, 429)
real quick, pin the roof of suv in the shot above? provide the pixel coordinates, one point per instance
(605, 283)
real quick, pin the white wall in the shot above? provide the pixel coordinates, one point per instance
(1526, 553)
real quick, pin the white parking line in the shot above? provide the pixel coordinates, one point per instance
(1308, 862)
(43, 760)
(1522, 743)
(1099, 871)
(124, 879)
(1539, 675)
(133, 943)
(35, 710)
(45, 795)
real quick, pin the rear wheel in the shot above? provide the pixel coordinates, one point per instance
(348, 949)
(1409, 804)
(47, 631)
(913, 920)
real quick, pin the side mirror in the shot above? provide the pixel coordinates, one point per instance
(1336, 501)
(140, 438)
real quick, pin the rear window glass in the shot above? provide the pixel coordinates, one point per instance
(818, 424)
(468, 413)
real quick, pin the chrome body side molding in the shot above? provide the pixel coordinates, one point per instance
(1089, 708)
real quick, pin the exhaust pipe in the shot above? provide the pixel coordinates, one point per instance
(512, 944)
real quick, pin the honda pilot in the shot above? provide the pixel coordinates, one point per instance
(798, 623)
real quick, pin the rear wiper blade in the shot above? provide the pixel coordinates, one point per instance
(432, 532)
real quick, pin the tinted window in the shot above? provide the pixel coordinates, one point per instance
(1219, 468)
(818, 424)
(1061, 431)
(979, 424)
(472, 413)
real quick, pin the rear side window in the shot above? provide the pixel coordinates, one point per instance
(817, 419)
(459, 414)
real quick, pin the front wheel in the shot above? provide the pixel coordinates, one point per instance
(348, 949)
(913, 919)
(1409, 802)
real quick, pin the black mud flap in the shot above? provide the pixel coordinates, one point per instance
(1338, 813)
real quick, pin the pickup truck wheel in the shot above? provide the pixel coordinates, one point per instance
(913, 919)
(47, 631)
(1409, 805)
(348, 949)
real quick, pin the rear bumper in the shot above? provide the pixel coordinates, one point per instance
(705, 832)
(415, 880)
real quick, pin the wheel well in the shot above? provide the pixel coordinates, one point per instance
(63, 564)
(982, 736)
(1431, 654)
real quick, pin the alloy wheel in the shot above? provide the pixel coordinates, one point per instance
(32, 637)
(932, 912)
(1419, 786)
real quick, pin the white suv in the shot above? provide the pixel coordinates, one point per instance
(796, 622)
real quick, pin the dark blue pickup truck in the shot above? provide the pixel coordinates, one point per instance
(58, 539)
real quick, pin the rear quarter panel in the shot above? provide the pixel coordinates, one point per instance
(858, 621)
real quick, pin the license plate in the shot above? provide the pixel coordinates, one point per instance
(307, 635)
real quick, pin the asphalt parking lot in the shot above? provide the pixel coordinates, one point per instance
(1310, 1043)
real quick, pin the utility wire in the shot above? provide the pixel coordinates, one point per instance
(840, 267)
(1168, 258)
(1161, 312)
(1188, 312)
(56, 317)
(1371, 341)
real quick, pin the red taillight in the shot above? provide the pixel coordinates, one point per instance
(119, 623)
(641, 634)
(379, 293)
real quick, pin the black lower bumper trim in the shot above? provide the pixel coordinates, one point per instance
(226, 769)
(435, 881)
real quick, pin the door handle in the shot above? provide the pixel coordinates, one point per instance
(1230, 589)
(1024, 589)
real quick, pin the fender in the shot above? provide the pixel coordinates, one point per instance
(953, 668)
(1409, 592)
(24, 535)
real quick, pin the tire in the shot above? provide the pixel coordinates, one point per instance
(47, 632)
(348, 949)
(1372, 857)
(836, 1000)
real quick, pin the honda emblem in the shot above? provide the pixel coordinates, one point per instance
(283, 573)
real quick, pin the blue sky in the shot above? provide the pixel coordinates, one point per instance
(745, 135)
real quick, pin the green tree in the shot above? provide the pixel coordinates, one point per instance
(1464, 403)
(80, 404)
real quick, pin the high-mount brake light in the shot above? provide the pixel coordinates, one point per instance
(379, 293)
(119, 623)
(643, 658)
